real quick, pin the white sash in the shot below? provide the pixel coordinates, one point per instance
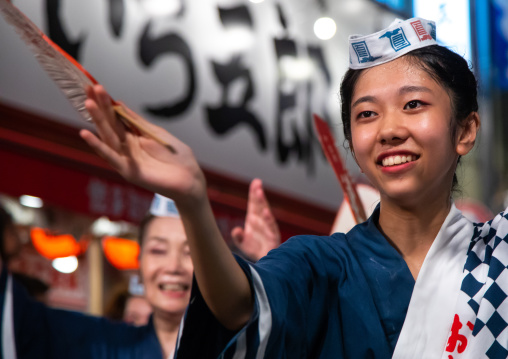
(8, 340)
(480, 326)
(431, 310)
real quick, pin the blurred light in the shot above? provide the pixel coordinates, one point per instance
(55, 246)
(31, 201)
(104, 227)
(238, 38)
(294, 68)
(65, 264)
(398, 5)
(122, 253)
(453, 26)
(353, 7)
(325, 28)
(256, 1)
(21, 215)
(162, 7)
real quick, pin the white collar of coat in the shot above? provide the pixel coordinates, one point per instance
(431, 310)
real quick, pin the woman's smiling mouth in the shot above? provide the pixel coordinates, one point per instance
(397, 160)
(174, 287)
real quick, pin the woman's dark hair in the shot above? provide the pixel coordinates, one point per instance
(446, 67)
(142, 227)
(5, 222)
(35, 287)
(115, 306)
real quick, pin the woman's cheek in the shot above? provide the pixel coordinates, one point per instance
(189, 266)
(362, 143)
(146, 266)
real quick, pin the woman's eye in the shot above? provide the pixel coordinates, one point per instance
(412, 105)
(157, 251)
(366, 114)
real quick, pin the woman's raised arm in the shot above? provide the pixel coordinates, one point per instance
(174, 173)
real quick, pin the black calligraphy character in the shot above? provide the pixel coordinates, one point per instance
(298, 144)
(169, 44)
(223, 118)
(56, 31)
(116, 16)
(290, 139)
(317, 56)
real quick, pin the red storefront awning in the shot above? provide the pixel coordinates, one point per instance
(43, 158)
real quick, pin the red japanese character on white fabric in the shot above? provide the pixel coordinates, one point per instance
(457, 340)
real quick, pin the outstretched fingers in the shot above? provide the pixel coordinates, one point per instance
(110, 130)
(149, 129)
(237, 236)
(138, 157)
(102, 149)
(255, 203)
(266, 218)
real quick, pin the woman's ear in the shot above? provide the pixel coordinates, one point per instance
(467, 134)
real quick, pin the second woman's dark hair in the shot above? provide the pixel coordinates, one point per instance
(142, 227)
(5, 223)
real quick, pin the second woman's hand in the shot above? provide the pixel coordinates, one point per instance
(260, 233)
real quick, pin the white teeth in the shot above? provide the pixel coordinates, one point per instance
(172, 287)
(397, 160)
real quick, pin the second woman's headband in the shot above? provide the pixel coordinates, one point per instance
(163, 207)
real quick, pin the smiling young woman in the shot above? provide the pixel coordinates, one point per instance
(166, 273)
(32, 330)
(416, 280)
(401, 138)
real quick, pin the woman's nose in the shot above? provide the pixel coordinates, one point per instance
(174, 262)
(392, 129)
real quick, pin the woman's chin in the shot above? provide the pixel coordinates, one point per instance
(402, 197)
(171, 310)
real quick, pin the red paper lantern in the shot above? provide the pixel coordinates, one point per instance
(122, 253)
(55, 246)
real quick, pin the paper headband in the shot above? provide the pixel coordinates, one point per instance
(163, 207)
(398, 39)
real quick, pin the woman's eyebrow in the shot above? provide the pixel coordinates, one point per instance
(364, 99)
(407, 89)
(403, 90)
(157, 239)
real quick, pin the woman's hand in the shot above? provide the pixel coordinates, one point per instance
(261, 233)
(172, 172)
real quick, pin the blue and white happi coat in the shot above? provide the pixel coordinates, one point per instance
(353, 296)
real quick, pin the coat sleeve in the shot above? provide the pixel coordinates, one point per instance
(30, 329)
(289, 286)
